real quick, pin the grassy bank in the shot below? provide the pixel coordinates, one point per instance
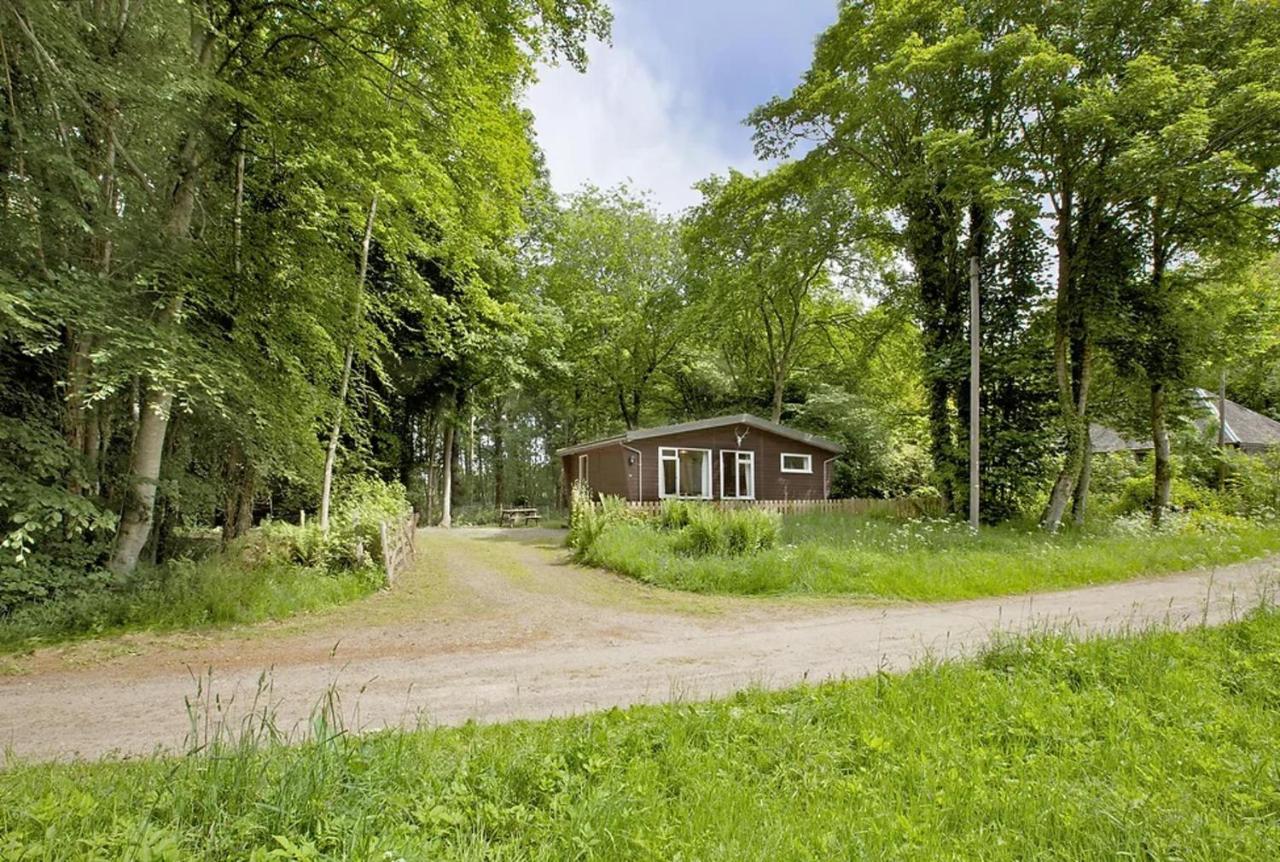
(834, 553)
(1157, 747)
(219, 591)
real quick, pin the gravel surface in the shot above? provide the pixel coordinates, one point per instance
(496, 625)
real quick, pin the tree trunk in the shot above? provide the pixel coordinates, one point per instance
(1073, 383)
(1080, 499)
(238, 502)
(779, 386)
(148, 453)
(326, 486)
(1222, 430)
(446, 492)
(153, 424)
(499, 462)
(331, 451)
(429, 473)
(1163, 469)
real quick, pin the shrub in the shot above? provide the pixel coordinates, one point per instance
(728, 532)
(1253, 484)
(589, 520)
(1137, 493)
(674, 514)
(52, 541)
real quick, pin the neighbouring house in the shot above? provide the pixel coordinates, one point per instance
(740, 457)
(1244, 429)
(1104, 439)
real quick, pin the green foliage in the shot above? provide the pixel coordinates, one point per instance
(243, 586)
(1158, 745)
(931, 559)
(52, 537)
(727, 532)
(588, 520)
(1253, 485)
(674, 514)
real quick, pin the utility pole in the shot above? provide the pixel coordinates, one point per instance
(975, 346)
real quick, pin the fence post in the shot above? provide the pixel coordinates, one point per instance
(387, 562)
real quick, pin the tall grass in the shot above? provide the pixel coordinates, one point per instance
(835, 553)
(217, 591)
(1162, 746)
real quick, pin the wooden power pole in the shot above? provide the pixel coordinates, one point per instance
(975, 345)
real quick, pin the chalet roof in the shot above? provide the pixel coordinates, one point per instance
(1246, 428)
(1241, 426)
(1104, 439)
(703, 425)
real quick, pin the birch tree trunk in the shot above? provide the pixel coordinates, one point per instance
(446, 492)
(331, 453)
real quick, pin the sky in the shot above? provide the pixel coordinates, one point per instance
(663, 106)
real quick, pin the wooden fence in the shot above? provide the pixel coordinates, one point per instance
(898, 507)
(399, 544)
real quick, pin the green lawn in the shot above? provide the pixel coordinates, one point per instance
(877, 557)
(1162, 746)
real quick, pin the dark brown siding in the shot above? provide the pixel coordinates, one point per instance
(613, 469)
(607, 471)
(771, 482)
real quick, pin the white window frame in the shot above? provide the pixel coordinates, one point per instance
(584, 464)
(782, 462)
(673, 453)
(738, 455)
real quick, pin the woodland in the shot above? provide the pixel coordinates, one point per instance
(260, 256)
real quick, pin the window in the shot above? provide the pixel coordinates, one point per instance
(796, 463)
(582, 468)
(737, 474)
(684, 472)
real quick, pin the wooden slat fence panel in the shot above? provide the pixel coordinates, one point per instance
(399, 545)
(901, 507)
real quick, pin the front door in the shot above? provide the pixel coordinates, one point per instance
(737, 474)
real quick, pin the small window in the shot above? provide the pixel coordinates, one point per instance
(582, 468)
(793, 462)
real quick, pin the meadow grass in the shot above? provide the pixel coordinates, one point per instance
(217, 591)
(880, 557)
(1157, 746)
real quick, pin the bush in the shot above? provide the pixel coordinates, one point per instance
(727, 532)
(674, 514)
(52, 541)
(589, 520)
(1253, 484)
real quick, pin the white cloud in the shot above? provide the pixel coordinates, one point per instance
(623, 121)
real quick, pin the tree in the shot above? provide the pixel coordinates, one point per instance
(767, 255)
(613, 269)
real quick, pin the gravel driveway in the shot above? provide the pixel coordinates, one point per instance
(495, 625)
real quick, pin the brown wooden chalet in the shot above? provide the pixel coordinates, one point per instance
(740, 457)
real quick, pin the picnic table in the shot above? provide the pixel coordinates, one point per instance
(518, 516)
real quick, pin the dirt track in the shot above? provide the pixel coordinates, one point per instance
(495, 625)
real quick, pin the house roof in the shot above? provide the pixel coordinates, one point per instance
(1241, 426)
(705, 424)
(1104, 439)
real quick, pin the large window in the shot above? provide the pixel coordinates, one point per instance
(684, 472)
(796, 463)
(737, 474)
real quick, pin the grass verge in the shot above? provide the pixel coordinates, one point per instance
(927, 560)
(216, 591)
(1158, 746)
